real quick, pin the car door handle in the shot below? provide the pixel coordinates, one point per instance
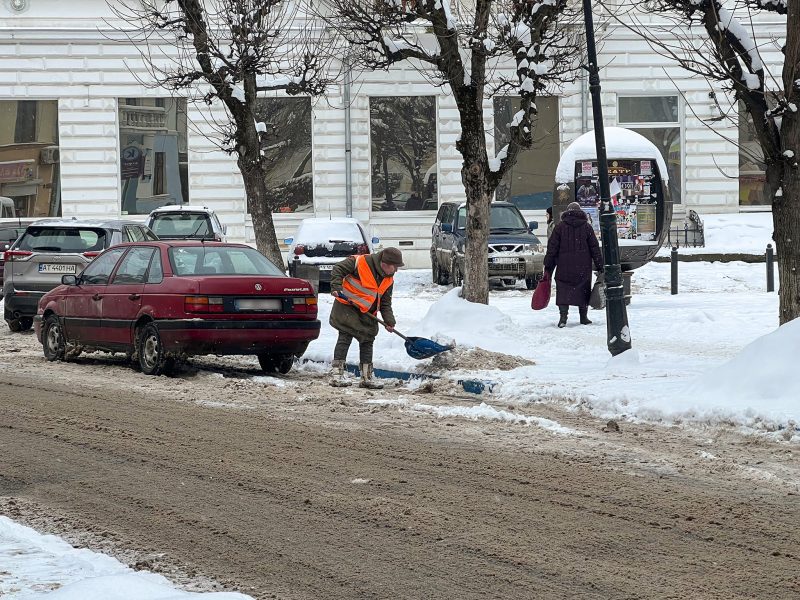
(134, 296)
(97, 297)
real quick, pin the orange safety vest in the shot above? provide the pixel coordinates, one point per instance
(361, 287)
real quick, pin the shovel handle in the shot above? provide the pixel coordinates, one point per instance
(347, 299)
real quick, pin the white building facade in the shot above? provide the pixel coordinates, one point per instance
(81, 134)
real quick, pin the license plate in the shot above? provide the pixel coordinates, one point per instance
(57, 269)
(326, 267)
(505, 260)
(258, 304)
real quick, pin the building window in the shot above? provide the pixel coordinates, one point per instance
(658, 119)
(753, 188)
(285, 133)
(30, 183)
(403, 148)
(153, 153)
(529, 184)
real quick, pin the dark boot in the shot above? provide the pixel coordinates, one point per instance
(584, 312)
(562, 320)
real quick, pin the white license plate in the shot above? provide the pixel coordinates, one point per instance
(258, 304)
(326, 267)
(505, 260)
(57, 269)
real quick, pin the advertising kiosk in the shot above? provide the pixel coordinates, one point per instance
(638, 181)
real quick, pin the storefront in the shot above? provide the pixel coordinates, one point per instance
(82, 135)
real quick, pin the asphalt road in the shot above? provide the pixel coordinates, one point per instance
(311, 494)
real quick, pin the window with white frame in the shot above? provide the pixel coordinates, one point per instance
(529, 183)
(153, 153)
(29, 159)
(753, 188)
(658, 119)
(285, 129)
(403, 148)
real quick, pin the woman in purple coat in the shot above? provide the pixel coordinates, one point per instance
(571, 250)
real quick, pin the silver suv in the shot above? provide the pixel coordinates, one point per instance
(51, 248)
(186, 222)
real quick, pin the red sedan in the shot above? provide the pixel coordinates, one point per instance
(162, 301)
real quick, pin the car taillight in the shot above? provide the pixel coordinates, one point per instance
(299, 249)
(304, 304)
(90, 254)
(12, 255)
(203, 304)
(362, 249)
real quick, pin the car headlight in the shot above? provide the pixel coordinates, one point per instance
(531, 248)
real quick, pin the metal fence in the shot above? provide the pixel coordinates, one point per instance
(690, 235)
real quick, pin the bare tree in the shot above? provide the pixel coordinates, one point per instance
(464, 46)
(715, 40)
(230, 52)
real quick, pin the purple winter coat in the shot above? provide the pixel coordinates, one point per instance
(572, 248)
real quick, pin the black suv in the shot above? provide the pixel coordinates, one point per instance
(514, 251)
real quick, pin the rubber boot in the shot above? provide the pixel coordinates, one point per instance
(584, 311)
(338, 376)
(367, 380)
(562, 319)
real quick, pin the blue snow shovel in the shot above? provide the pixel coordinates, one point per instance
(416, 347)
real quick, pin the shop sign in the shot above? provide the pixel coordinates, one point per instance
(16, 170)
(131, 166)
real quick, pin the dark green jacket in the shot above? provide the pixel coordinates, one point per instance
(349, 319)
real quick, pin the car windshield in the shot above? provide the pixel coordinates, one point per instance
(503, 218)
(182, 225)
(63, 239)
(220, 260)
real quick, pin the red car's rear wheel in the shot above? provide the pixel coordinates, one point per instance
(152, 358)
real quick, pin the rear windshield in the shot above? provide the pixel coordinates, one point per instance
(220, 260)
(500, 217)
(321, 233)
(182, 225)
(63, 239)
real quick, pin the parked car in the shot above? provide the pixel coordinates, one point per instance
(50, 248)
(324, 242)
(9, 232)
(515, 253)
(162, 301)
(185, 222)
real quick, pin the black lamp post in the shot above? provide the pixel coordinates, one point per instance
(619, 334)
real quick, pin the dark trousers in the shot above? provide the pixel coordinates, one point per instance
(343, 345)
(582, 310)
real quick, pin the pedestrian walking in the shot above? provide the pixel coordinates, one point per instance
(361, 284)
(571, 250)
(550, 223)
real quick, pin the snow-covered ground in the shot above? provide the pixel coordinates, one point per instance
(713, 354)
(746, 233)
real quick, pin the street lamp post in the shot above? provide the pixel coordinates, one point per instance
(619, 335)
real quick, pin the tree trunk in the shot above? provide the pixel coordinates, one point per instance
(476, 251)
(786, 207)
(475, 175)
(786, 222)
(255, 186)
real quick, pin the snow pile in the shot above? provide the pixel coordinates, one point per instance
(760, 380)
(36, 566)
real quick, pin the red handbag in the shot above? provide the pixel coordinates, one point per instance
(541, 295)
